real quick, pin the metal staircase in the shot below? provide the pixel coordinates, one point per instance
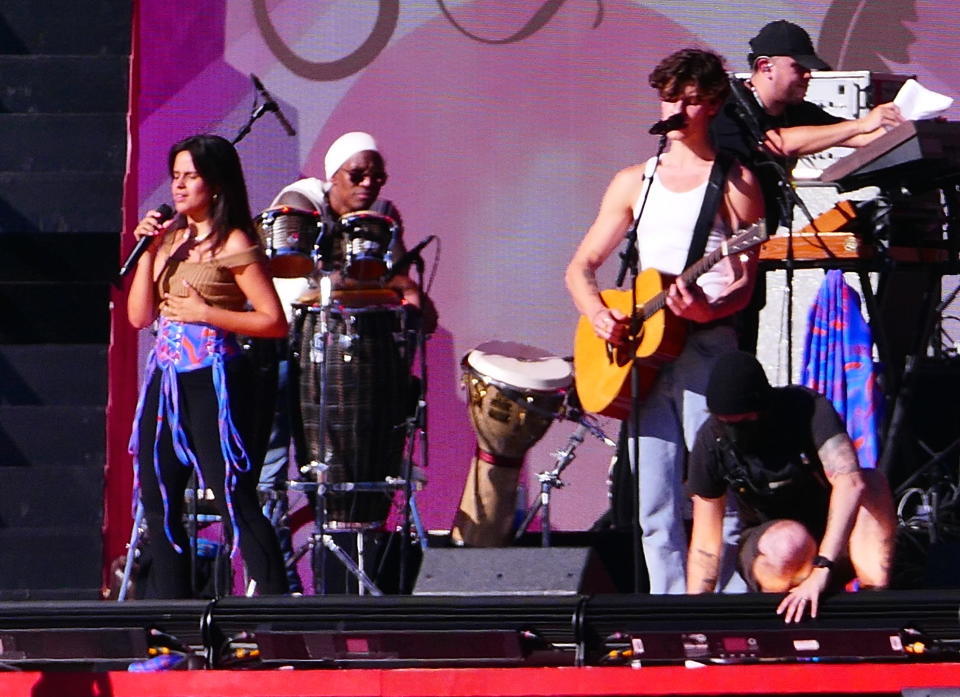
(63, 103)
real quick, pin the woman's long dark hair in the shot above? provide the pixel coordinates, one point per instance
(217, 162)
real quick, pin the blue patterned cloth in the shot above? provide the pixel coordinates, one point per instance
(838, 362)
(182, 347)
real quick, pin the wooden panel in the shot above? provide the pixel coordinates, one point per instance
(838, 218)
(814, 246)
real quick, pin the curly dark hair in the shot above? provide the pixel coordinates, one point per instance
(691, 66)
(217, 162)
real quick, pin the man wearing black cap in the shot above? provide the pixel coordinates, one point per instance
(809, 512)
(771, 108)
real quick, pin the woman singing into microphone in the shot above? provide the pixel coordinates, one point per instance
(195, 412)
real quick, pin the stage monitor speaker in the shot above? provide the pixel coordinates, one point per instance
(512, 571)
(390, 649)
(102, 648)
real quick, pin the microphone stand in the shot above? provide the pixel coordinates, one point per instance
(257, 111)
(787, 198)
(629, 260)
(417, 429)
(550, 479)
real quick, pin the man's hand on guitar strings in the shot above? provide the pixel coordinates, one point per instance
(610, 324)
(688, 301)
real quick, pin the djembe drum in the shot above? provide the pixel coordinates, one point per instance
(514, 392)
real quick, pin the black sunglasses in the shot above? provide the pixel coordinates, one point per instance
(358, 175)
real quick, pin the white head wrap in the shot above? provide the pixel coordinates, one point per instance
(345, 147)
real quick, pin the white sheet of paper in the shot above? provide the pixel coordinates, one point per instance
(916, 102)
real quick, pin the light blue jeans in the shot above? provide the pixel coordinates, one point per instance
(669, 420)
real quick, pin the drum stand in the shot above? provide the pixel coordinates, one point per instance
(550, 479)
(322, 534)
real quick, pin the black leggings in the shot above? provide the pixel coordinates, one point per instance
(198, 414)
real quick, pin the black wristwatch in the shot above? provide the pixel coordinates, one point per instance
(821, 562)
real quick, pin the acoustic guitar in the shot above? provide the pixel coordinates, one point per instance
(602, 370)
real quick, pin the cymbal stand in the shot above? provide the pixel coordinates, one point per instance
(550, 479)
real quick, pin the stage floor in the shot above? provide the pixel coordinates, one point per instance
(858, 679)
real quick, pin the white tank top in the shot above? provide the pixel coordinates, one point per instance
(666, 230)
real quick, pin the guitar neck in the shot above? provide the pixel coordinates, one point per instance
(700, 267)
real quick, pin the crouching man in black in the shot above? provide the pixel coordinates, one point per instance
(812, 518)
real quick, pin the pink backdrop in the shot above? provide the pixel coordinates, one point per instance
(501, 123)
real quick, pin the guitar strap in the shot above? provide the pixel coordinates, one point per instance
(709, 207)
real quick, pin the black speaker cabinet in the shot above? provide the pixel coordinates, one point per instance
(512, 571)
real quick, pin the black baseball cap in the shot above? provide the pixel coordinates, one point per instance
(737, 385)
(783, 38)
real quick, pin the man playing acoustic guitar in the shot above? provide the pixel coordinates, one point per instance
(691, 83)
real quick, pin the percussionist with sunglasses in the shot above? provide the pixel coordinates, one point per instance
(355, 172)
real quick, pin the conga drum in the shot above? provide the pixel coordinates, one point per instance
(514, 392)
(355, 394)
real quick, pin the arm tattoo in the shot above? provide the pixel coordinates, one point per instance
(709, 564)
(591, 278)
(838, 456)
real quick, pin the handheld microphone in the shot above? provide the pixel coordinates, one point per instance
(166, 212)
(271, 105)
(673, 123)
(411, 255)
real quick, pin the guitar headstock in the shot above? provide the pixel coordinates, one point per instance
(751, 237)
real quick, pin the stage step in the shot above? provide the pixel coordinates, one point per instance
(51, 435)
(48, 313)
(51, 497)
(62, 84)
(59, 257)
(59, 374)
(50, 562)
(65, 27)
(61, 201)
(62, 143)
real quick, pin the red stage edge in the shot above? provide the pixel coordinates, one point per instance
(122, 383)
(846, 679)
